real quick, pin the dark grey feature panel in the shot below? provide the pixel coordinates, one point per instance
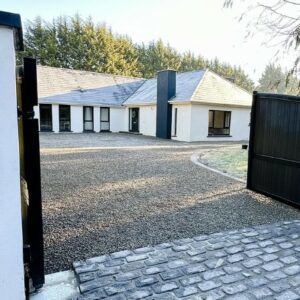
(166, 90)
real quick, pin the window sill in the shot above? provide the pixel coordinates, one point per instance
(219, 135)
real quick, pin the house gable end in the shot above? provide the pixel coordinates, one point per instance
(216, 90)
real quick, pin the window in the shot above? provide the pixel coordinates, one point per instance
(104, 119)
(64, 118)
(175, 122)
(45, 117)
(219, 122)
(88, 118)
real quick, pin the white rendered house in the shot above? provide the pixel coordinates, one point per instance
(204, 105)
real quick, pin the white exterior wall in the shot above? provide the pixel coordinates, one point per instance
(76, 119)
(118, 119)
(183, 122)
(96, 119)
(55, 118)
(239, 124)
(11, 243)
(126, 119)
(147, 120)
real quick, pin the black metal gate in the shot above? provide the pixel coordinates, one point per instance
(30, 174)
(274, 147)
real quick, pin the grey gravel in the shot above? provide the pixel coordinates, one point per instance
(100, 197)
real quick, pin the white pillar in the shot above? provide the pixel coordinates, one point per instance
(96, 119)
(11, 243)
(55, 118)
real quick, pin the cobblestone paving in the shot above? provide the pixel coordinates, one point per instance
(260, 262)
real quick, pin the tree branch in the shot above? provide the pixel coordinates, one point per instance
(291, 2)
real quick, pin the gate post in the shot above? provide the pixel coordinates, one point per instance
(251, 140)
(11, 243)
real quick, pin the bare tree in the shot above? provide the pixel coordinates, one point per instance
(280, 19)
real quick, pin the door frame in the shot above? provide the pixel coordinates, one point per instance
(130, 119)
(106, 130)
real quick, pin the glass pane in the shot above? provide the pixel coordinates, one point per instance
(64, 118)
(104, 125)
(210, 118)
(88, 113)
(45, 117)
(219, 119)
(227, 119)
(104, 114)
(88, 126)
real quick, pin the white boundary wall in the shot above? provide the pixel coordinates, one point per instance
(11, 244)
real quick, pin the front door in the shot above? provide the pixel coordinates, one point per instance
(134, 119)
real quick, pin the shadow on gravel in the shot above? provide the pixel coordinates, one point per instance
(213, 214)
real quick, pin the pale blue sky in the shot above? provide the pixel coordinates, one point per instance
(202, 26)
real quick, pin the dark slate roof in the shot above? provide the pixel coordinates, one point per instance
(186, 84)
(73, 87)
(65, 86)
(111, 95)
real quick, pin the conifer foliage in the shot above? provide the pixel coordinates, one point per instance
(76, 43)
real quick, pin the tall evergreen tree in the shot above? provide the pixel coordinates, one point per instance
(71, 42)
(76, 43)
(273, 80)
(157, 56)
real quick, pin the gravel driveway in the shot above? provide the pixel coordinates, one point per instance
(108, 192)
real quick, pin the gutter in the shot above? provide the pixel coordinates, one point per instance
(139, 104)
(81, 104)
(190, 102)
